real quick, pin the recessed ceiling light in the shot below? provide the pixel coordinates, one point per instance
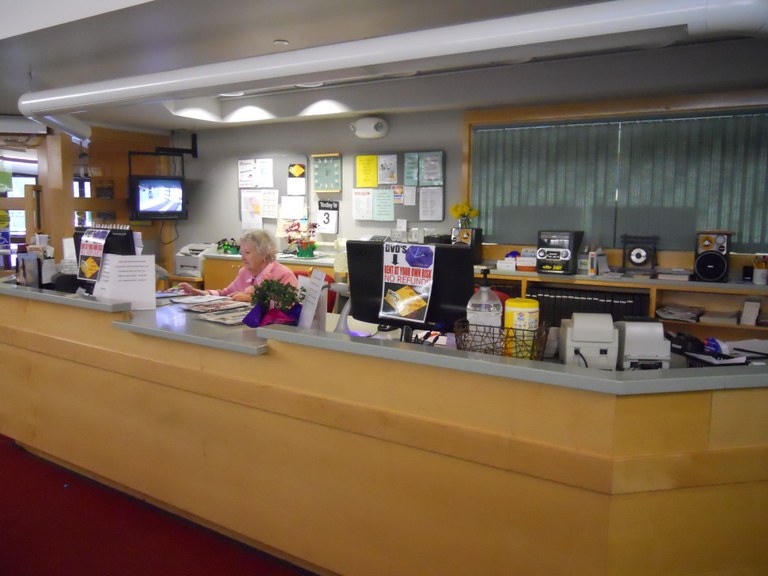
(280, 42)
(232, 94)
(310, 84)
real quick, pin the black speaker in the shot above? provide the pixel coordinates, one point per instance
(712, 251)
(471, 236)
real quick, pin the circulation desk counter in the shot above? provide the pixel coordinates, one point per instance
(357, 456)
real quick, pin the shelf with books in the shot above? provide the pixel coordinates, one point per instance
(710, 296)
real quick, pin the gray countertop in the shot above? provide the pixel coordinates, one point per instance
(88, 302)
(172, 322)
(618, 383)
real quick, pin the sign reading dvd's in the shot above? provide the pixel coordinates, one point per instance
(407, 274)
(328, 216)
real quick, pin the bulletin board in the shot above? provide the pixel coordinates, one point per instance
(400, 186)
(272, 187)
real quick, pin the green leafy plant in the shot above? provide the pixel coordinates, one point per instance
(276, 294)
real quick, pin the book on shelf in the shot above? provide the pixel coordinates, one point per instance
(677, 274)
(750, 312)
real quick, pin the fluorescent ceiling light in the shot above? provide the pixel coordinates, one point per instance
(324, 108)
(698, 17)
(248, 113)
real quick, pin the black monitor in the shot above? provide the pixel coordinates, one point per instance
(158, 198)
(452, 285)
(119, 241)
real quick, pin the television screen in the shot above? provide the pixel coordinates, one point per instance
(158, 198)
(452, 284)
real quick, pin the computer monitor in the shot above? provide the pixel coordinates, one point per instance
(452, 285)
(119, 241)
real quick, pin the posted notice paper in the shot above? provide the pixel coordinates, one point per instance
(128, 279)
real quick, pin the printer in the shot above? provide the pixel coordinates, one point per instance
(642, 345)
(589, 340)
(189, 260)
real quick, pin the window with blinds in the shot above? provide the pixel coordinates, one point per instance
(668, 177)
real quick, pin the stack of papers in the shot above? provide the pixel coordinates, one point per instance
(197, 299)
(717, 317)
(219, 309)
(215, 306)
(679, 274)
(679, 313)
(228, 317)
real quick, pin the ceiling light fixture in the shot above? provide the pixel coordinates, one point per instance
(697, 17)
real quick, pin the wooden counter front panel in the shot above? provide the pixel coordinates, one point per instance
(373, 467)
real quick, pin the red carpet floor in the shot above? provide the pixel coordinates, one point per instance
(56, 523)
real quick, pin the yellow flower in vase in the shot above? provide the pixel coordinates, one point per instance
(464, 213)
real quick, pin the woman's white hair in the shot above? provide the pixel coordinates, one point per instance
(263, 242)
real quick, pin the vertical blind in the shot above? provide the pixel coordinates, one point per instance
(666, 177)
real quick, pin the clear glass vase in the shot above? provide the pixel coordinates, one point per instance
(465, 222)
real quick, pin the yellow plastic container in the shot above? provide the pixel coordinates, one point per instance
(521, 319)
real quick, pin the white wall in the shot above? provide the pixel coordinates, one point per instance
(213, 203)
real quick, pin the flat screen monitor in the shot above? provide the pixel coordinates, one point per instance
(158, 198)
(452, 285)
(119, 241)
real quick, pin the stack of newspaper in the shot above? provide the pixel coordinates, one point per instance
(679, 313)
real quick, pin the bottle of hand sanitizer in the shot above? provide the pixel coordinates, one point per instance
(484, 308)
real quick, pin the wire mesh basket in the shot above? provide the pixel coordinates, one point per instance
(513, 342)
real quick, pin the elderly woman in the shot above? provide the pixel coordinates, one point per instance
(257, 251)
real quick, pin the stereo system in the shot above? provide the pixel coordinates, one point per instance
(557, 250)
(712, 252)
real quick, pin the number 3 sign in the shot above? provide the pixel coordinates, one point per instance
(328, 216)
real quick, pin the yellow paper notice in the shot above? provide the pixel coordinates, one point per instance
(366, 172)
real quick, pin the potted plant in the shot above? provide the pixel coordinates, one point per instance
(302, 235)
(274, 303)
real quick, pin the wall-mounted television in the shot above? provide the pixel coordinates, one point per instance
(158, 198)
